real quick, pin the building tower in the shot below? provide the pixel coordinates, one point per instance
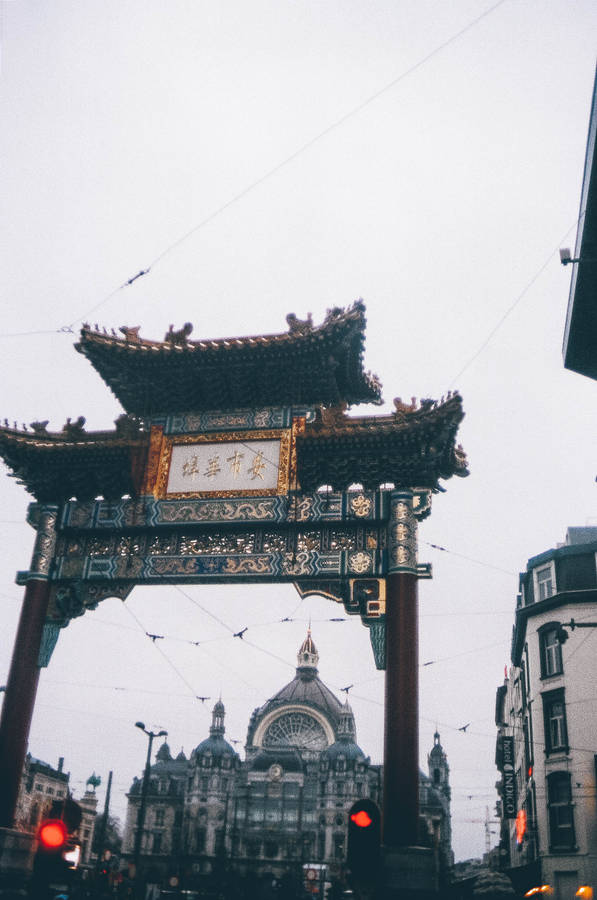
(439, 775)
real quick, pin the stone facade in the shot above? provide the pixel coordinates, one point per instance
(286, 804)
(40, 786)
(547, 722)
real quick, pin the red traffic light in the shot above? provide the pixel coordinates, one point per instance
(364, 839)
(52, 834)
(362, 819)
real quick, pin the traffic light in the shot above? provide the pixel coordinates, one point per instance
(52, 836)
(53, 865)
(364, 840)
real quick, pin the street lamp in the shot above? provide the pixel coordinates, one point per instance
(141, 817)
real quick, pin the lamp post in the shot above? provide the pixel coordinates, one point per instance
(144, 785)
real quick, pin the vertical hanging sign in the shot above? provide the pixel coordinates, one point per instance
(509, 778)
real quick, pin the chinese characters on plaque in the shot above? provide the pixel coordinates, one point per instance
(243, 466)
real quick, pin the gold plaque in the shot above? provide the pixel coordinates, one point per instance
(228, 464)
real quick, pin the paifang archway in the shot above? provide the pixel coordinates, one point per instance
(233, 462)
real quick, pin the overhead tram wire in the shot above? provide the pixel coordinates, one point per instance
(156, 645)
(513, 305)
(477, 562)
(289, 159)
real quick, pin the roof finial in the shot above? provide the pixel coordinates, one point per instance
(308, 657)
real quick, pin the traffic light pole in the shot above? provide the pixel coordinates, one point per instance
(23, 678)
(143, 804)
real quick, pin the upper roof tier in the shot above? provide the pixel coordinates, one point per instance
(306, 365)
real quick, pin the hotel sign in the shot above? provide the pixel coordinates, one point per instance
(509, 778)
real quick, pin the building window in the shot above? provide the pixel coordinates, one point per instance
(551, 650)
(253, 848)
(554, 717)
(271, 849)
(159, 817)
(157, 843)
(561, 820)
(338, 846)
(544, 582)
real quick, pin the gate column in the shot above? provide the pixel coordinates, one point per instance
(401, 732)
(21, 688)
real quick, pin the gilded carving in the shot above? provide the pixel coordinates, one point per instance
(215, 511)
(401, 511)
(359, 563)
(296, 563)
(402, 534)
(153, 459)
(256, 565)
(361, 506)
(300, 508)
(176, 566)
(45, 543)
(129, 567)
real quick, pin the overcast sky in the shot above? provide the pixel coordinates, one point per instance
(424, 155)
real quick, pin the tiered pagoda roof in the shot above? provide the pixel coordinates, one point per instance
(305, 365)
(415, 445)
(318, 367)
(56, 466)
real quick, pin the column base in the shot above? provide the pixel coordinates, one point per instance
(409, 873)
(16, 856)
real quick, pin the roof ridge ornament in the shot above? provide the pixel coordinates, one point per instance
(131, 334)
(299, 326)
(178, 338)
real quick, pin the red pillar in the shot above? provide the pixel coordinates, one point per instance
(21, 688)
(401, 738)
(17, 710)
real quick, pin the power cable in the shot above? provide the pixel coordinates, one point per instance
(513, 305)
(289, 159)
(477, 562)
(159, 649)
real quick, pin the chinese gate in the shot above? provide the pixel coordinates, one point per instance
(235, 461)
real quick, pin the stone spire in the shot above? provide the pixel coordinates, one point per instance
(308, 657)
(439, 770)
(217, 720)
(346, 725)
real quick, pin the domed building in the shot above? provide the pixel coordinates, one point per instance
(287, 803)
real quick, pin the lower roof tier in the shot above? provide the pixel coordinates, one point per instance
(413, 447)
